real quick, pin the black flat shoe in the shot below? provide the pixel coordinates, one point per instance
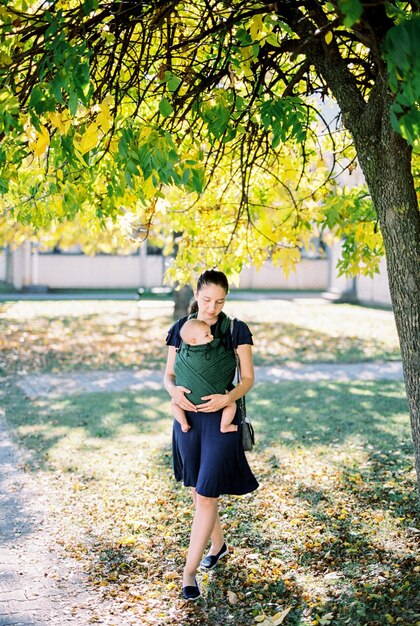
(211, 560)
(191, 592)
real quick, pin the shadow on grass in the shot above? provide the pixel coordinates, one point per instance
(367, 415)
(91, 419)
(360, 428)
(327, 413)
(291, 414)
(148, 579)
(337, 423)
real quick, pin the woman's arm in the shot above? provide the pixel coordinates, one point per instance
(218, 401)
(177, 393)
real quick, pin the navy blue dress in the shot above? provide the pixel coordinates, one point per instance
(212, 462)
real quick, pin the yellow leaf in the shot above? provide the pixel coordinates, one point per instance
(247, 57)
(5, 59)
(256, 27)
(41, 142)
(128, 540)
(4, 14)
(61, 121)
(144, 133)
(148, 188)
(112, 145)
(328, 37)
(278, 618)
(104, 119)
(89, 139)
(57, 203)
(287, 258)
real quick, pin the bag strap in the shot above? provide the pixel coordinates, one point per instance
(241, 400)
(238, 364)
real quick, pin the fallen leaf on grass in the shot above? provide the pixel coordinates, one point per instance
(275, 620)
(278, 618)
(128, 540)
(232, 597)
(78, 486)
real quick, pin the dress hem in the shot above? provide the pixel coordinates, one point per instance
(223, 493)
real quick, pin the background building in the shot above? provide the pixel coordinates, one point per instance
(26, 269)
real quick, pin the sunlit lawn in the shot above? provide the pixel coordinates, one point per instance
(328, 538)
(330, 533)
(68, 335)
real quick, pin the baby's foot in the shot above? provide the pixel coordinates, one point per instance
(185, 427)
(229, 428)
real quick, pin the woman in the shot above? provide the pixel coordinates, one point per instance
(209, 461)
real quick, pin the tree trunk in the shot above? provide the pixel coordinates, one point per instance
(182, 299)
(385, 158)
(393, 194)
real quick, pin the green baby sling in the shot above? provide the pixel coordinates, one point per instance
(206, 369)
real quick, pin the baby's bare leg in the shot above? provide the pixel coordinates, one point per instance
(179, 415)
(228, 414)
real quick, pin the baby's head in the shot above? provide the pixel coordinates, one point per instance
(196, 333)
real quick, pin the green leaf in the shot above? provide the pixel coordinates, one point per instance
(165, 107)
(352, 11)
(41, 100)
(56, 86)
(402, 54)
(89, 6)
(73, 103)
(198, 180)
(173, 83)
(186, 176)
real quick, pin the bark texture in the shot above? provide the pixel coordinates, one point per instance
(385, 159)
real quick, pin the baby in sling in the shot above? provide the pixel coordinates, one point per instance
(205, 366)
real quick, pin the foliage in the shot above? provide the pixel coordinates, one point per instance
(65, 337)
(402, 55)
(109, 109)
(328, 538)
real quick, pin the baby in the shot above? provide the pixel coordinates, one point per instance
(197, 333)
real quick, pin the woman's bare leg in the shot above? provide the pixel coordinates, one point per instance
(206, 514)
(217, 536)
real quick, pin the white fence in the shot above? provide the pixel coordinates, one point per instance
(25, 268)
(67, 271)
(310, 274)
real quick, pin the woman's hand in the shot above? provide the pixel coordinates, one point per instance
(178, 396)
(214, 403)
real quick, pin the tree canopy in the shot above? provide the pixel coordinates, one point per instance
(199, 118)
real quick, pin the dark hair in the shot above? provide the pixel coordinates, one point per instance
(207, 278)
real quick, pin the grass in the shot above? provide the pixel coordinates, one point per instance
(327, 539)
(72, 335)
(329, 533)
